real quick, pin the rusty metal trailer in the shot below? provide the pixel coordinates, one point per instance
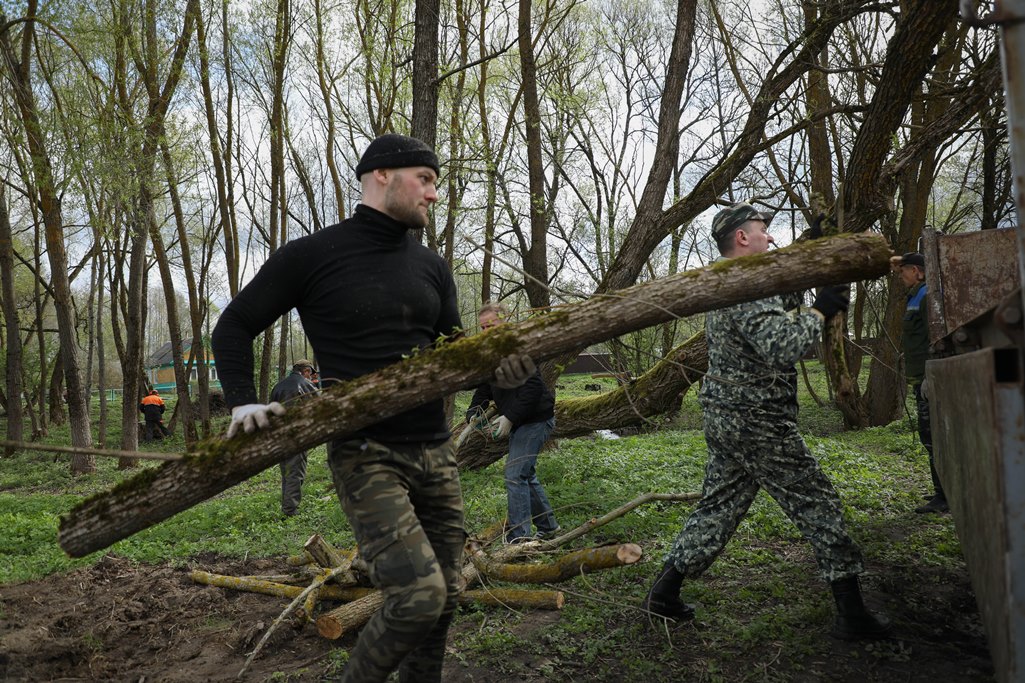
(977, 390)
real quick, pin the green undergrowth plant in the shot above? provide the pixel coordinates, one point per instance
(762, 601)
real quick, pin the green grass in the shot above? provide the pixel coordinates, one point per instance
(762, 591)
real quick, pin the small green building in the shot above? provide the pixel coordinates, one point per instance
(160, 368)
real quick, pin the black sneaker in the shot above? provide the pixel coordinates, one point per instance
(548, 535)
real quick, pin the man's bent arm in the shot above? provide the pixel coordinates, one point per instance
(272, 292)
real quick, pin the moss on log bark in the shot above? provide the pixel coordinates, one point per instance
(217, 464)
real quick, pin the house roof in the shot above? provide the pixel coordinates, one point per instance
(162, 356)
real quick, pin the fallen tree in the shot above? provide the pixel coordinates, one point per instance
(216, 464)
(633, 403)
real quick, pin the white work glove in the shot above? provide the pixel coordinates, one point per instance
(253, 416)
(501, 426)
(513, 371)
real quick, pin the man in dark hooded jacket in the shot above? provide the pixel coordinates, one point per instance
(295, 385)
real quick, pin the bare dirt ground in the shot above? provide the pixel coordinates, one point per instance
(117, 621)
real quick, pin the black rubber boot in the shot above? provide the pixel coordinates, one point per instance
(853, 621)
(937, 504)
(664, 597)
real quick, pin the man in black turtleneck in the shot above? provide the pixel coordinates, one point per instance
(368, 293)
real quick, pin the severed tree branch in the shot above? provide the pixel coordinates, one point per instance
(217, 464)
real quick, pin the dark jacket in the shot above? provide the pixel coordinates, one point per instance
(531, 402)
(368, 294)
(292, 386)
(152, 411)
(916, 334)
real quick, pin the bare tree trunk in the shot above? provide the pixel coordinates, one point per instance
(183, 407)
(820, 159)
(101, 356)
(159, 95)
(650, 213)
(535, 255)
(196, 308)
(38, 303)
(329, 116)
(50, 203)
(278, 209)
(424, 120)
(55, 393)
(490, 169)
(178, 485)
(37, 431)
(13, 349)
(220, 162)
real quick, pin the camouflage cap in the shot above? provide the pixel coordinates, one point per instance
(732, 217)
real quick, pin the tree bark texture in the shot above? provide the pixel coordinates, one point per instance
(535, 257)
(9, 306)
(217, 464)
(908, 58)
(424, 119)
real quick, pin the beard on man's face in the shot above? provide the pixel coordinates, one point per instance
(402, 209)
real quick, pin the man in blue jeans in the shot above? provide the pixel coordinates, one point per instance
(526, 415)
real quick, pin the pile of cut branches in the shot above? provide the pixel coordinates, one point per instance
(323, 573)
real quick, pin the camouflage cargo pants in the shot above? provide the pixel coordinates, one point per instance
(743, 456)
(406, 509)
(293, 473)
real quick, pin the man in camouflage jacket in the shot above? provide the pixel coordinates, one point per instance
(749, 397)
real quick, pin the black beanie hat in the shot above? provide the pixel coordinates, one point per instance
(396, 151)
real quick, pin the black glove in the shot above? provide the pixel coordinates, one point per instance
(831, 300)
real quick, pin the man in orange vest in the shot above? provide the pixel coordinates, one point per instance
(152, 407)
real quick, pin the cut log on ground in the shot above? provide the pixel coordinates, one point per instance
(510, 597)
(655, 392)
(329, 557)
(350, 617)
(565, 568)
(217, 464)
(278, 589)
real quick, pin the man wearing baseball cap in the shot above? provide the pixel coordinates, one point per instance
(749, 402)
(367, 293)
(915, 341)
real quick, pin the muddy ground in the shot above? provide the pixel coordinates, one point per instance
(117, 621)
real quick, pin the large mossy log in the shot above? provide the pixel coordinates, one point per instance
(655, 392)
(217, 464)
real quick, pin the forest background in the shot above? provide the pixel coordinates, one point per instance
(156, 151)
